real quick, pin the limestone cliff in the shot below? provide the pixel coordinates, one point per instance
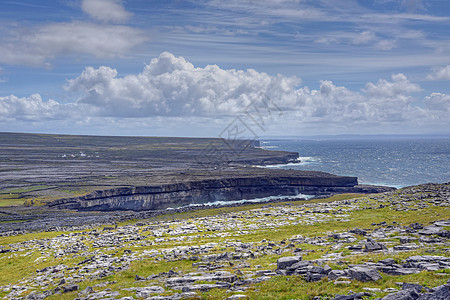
(226, 189)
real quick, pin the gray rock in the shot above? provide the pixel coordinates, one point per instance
(205, 287)
(440, 293)
(400, 271)
(430, 230)
(235, 297)
(345, 237)
(86, 291)
(408, 286)
(40, 296)
(442, 223)
(407, 239)
(364, 274)
(285, 262)
(358, 231)
(387, 261)
(145, 292)
(335, 274)
(299, 265)
(70, 288)
(190, 295)
(352, 296)
(316, 269)
(371, 245)
(410, 294)
(406, 247)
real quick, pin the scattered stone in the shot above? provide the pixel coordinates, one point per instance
(440, 293)
(410, 294)
(149, 290)
(70, 288)
(371, 245)
(237, 296)
(352, 296)
(285, 262)
(86, 291)
(364, 274)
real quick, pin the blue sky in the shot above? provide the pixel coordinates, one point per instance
(192, 68)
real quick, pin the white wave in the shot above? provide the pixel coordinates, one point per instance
(256, 200)
(397, 186)
(301, 161)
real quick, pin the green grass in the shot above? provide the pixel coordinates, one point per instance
(289, 287)
(10, 200)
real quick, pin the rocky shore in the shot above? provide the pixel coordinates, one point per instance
(99, 173)
(140, 198)
(393, 245)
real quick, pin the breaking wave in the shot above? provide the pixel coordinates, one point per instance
(249, 201)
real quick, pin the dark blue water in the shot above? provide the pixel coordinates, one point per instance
(395, 163)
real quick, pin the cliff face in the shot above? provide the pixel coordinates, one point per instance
(198, 192)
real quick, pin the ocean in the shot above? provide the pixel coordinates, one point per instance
(396, 163)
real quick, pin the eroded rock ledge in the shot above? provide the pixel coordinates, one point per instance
(158, 197)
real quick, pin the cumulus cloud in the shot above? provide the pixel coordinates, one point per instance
(172, 86)
(37, 46)
(439, 102)
(440, 74)
(399, 87)
(106, 10)
(28, 108)
(172, 90)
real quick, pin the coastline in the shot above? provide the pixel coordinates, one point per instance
(139, 173)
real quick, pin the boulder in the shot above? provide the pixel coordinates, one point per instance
(371, 245)
(410, 294)
(352, 296)
(335, 274)
(440, 293)
(285, 262)
(364, 274)
(299, 265)
(358, 231)
(70, 288)
(409, 286)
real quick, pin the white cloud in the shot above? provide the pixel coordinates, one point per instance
(386, 45)
(172, 86)
(400, 86)
(440, 73)
(171, 90)
(28, 108)
(364, 37)
(439, 102)
(37, 46)
(106, 10)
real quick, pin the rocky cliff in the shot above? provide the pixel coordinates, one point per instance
(197, 192)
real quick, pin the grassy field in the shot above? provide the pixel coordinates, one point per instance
(219, 231)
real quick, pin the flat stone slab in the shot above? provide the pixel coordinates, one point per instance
(285, 262)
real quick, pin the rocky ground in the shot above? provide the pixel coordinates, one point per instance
(391, 246)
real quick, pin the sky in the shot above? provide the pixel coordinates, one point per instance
(235, 68)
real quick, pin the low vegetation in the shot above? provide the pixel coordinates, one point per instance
(244, 242)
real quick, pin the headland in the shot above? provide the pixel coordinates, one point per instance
(101, 173)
